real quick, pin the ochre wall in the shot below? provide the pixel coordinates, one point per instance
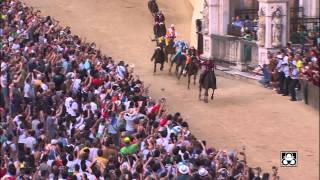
(197, 7)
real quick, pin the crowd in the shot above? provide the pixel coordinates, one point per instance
(247, 27)
(70, 112)
(290, 68)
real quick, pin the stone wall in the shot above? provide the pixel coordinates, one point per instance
(235, 52)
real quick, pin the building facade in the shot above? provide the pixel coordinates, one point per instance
(274, 22)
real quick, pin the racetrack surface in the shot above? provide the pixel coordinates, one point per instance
(241, 114)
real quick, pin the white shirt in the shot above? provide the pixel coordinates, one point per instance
(71, 164)
(121, 71)
(129, 121)
(3, 80)
(30, 142)
(15, 46)
(76, 85)
(71, 106)
(162, 142)
(93, 153)
(26, 90)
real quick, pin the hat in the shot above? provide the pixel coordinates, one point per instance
(126, 139)
(183, 169)
(163, 122)
(202, 172)
(172, 25)
(54, 141)
(176, 129)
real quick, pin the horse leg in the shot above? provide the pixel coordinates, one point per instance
(166, 57)
(189, 81)
(161, 67)
(170, 57)
(171, 64)
(212, 94)
(155, 68)
(181, 71)
(177, 69)
(206, 95)
(200, 91)
(194, 79)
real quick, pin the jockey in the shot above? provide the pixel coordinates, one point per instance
(162, 29)
(171, 33)
(209, 66)
(161, 41)
(192, 51)
(159, 17)
(181, 46)
(191, 55)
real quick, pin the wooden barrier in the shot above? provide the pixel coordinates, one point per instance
(310, 94)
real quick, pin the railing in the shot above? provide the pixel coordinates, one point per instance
(297, 18)
(231, 51)
(234, 30)
(308, 23)
(253, 13)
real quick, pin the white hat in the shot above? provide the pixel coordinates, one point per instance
(183, 169)
(279, 56)
(44, 86)
(176, 129)
(202, 172)
(172, 25)
(54, 141)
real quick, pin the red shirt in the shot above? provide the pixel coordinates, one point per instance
(97, 82)
(155, 109)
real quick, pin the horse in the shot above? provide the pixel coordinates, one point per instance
(180, 61)
(169, 49)
(158, 57)
(153, 7)
(192, 69)
(207, 81)
(159, 30)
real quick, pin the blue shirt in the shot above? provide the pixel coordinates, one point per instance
(294, 73)
(286, 70)
(279, 65)
(113, 126)
(238, 23)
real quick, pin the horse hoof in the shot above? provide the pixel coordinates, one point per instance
(206, 101)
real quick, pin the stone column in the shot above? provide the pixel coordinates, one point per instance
(276, 15)
(224, 16)
(213, 26)
(219, 18)
(310, 7)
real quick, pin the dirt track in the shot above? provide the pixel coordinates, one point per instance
(241, 114)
